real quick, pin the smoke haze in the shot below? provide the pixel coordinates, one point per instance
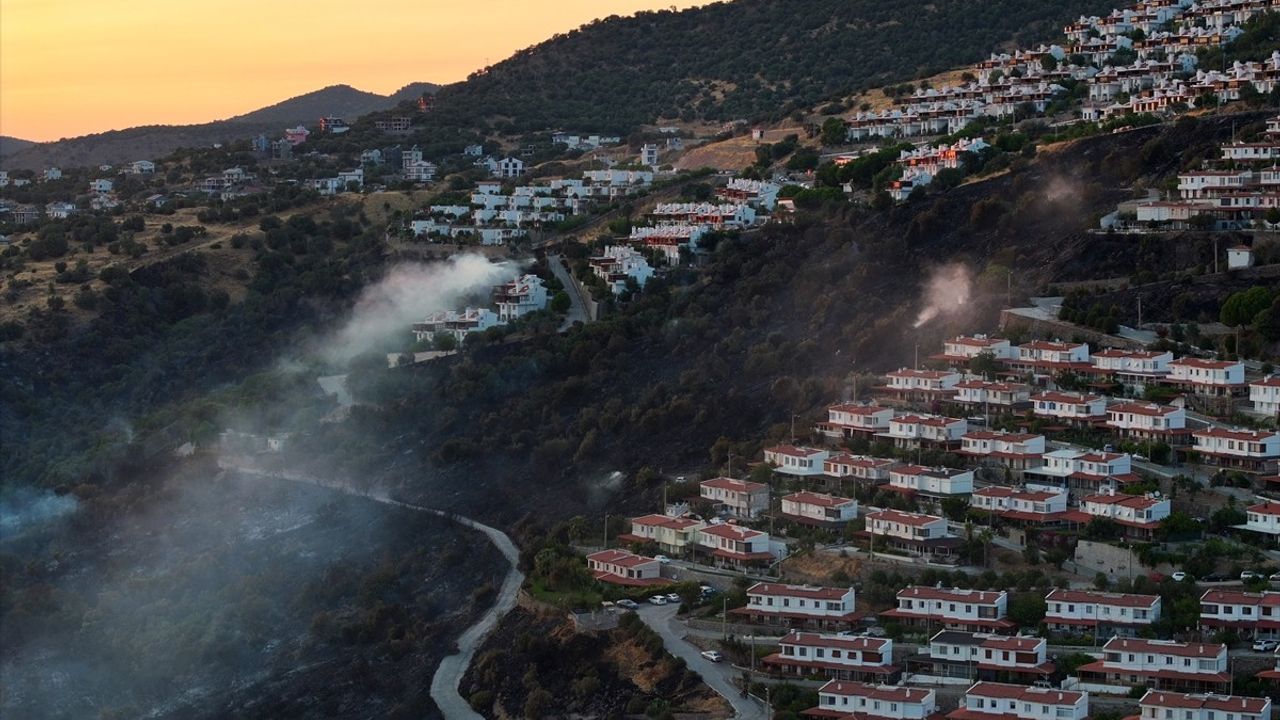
(947, 292)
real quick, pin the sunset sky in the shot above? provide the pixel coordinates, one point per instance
(71, 67)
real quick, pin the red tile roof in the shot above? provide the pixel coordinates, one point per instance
(921, 592)
(805, 497)
(1226, 703)
(892, 693)
(734, 485)
(856, 409)
(732, 532)
(864, 644)
(1246, 435)
(804, 591)
(619, 557)
(1102, 598)
(1206, 364)
(1164, 647)
(1149, 410)
(666, 521)
(904, 518)
(795, 451)
(1006, 691)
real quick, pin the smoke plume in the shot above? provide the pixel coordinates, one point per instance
(947, 292)
(407, 294)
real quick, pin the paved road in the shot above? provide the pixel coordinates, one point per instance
(448, 676)
(577, 308)
(718, 676)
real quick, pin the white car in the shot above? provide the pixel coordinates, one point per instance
(662, 559)
(1265, 645)
(658, 600)
(1249, 575)
(627, 604)
(1179, 576)
(712, 655)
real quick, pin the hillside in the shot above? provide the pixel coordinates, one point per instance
(153, 141)
(11, 145)
(743, 59)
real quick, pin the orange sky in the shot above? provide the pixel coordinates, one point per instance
(71, 67)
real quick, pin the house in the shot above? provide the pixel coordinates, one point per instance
(736, 545)
(1208, 377)
(519, 297)
(455, 324)
(999, 701)
(621, 266)
(1149, 421)
(1034, 507)
(1161, 664)
(837, 657)
(396, 124)
(668, 239)
(141, 167)
(910, 431)
(983, 393)
(1239, 257)
(912, 532)
(1140, 515)
(1044, 357)
(985, 656)
(756, 193)
(846, 420)
(742, 498)
(798, 461)
(922, 385)
(509, 167)
(1082, 472)
(937, 483)
(952, 609)
(296, 136)
(1251, 614)
(333, 125)
(1072, 408)
(619, 567)
(1101, 614)
(418, 171)
(672, 534)
(1265, 396)
(649, 155)
(844, 699)
(1263, 517)
(859, 467)
(25, 214)
(813, 508)
(1138, 368)
(1161, 704)
(52, 173)
(799, 606)
(58, 210)
(1249, 450)
(1015, 451)
(960, 351)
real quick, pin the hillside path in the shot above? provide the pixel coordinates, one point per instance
(577, 308)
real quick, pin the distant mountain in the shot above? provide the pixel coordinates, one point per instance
(153, 141)
(744, 59)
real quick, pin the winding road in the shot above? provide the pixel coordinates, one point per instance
(577, 307)
(448, 676)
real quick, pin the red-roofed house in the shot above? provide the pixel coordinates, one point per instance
(1163, 664)
(998, 701)
(1023, 506)
(813, 508)
(913, 532)
(620, 567)
(1249, 613)
(1263, 517)
(1274, 673)
(847, 420)
(859, 467)
(1043, 357)
(674, 535)
(799, 606)
(1087, 612)
(1016, 451)
(936, 483)
(981, 393)
(1082, 472)
(736, 545)
(1149, 421)
(956, 653)
(843, 699)
(1161, 704)
(910, 431)
(911, 385)
(952, 608)
(742, 498)
(833, 656)
(1073, 408)
(1137, 368)
(1249, 450)
(799, 461)
(1265, 395)
(959, 351)
(1139, 514)
(1208, 377)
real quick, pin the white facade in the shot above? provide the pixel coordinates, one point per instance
(847, 418)
(801, 601)
(910, 429)
(1041, 505)
(1132, 510)
(932, 481)
(742, 498)
(673, 535)
(519, 297)
(906, 526)
(969, 347)
(990, 651)
(819, 507)
(1162, 704)
(951, 605)
(1240, 444)
(799, 461)
(1146, 417)
(1087, 608)
(1264, 517)
(1025, 703)
(1069, 406)
(907, 379)
(890, 702)
(860, 467)
(1207, 373)
(1265, 395)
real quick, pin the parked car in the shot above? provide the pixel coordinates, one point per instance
(658, 600)
(1265, 645)
(673, 598)
(1249, 575)
(712, 655)
(707, 590)
(1275, 577)
(1179, 576)
(662, 559)
(627, 604)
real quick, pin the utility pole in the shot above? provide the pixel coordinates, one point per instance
(916, 364)
(1139, 312)
(606, 531)
(729, 473)
(724, 618)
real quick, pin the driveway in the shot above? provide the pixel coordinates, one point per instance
(718, 676)
(577, 308)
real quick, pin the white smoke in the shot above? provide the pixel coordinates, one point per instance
(409, 293)
(947, 292)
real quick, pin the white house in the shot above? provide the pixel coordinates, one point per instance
(1100, 613)
(845, 699)
(1019, 504)
(953, 608)
(1162, 704)
(799, 606)
(100, 186)
(1000, 701)
(1239, 257)
(1148, 421)
(846, 419)
(1016, 451)
(1207, 377)
(798, 461)
(983, 393)
(858, 467)
(509, 167)
(962, 349)
(620, 266)
(1136, 512)
(735, 545)
(1070, 407)
(819, 508)
(455, 324)
(1164, 664)
(742, 498)
(937, 482)
(1250, 613)
(1263, 517)
(1251, 450)
(1051, 357)
(519, 297)
(932, 430)
(52, 173)
(956, 653)
(619, 567)
(837, 657)
(675, 535)
(924, 385)
(1082, 472)
(1133, 367)
(1265, 395)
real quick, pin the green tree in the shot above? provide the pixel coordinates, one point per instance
(561, 302)
(1242, 307)
(833, 131)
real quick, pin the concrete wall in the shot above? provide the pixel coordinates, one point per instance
(1114, 562)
